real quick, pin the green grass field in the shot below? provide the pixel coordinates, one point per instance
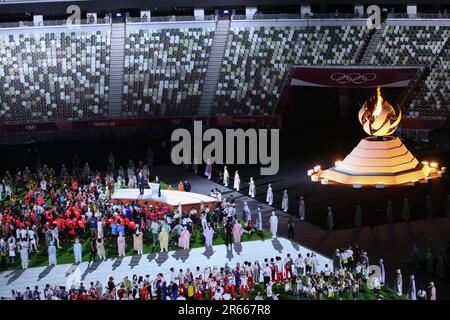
(20, 194)
(65, 253)
(65, 256)
(364, 294)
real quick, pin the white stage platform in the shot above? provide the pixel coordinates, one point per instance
(168, 197)
(152, 264)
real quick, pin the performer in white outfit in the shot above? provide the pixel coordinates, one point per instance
(237, 181)
(32, 238)
(247, 216)
(52, 254)
(208, 169)
(24, 253)
(301, 208)
(43, 184)
(330, 220)
(273, 224)
(226, 176)
(251, 188)
(77, 251)
(138, 244)
(285, 202)
(100, 232)
(7, 188)
(208, 233)
(259, 223)
(55, 236)
(269, 197)
(399, 283)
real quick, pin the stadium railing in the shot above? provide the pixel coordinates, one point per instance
(419, 15)
(267, 16)
(270, 16)
(161, 19)
(168, 18)
(21, 24)
(257, 16)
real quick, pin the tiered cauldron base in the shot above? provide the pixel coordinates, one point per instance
(378, 162)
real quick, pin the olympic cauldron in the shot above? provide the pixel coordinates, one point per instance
(380, 159)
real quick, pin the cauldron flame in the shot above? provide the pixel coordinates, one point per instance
(380, 119)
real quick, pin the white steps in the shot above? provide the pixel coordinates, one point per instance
(215, 61)
(372, 46)
(117, 59)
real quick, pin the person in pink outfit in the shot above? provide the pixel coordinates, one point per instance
(431, 291)
(185, 237)
(121, 245)
(237, 231)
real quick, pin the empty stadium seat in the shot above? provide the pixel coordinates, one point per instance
(432, 99)
(164, 71)
(420, 45)
(54, 76)
(257, 61)
(410, 45)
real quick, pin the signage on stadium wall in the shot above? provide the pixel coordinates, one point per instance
(136, 123)
(103, 124)
(351, 77)
(274, 121)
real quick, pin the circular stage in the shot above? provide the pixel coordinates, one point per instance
(168, 198)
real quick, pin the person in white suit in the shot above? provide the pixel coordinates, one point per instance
(273, 221)
(269, 196)
(226, 176)
(78, 251)
(285, 202)
(52, 254)
(237, 181)
(251, 188)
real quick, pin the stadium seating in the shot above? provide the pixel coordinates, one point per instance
(257, 60)
(164, 71)
(419, 45)
(410, 45)
(432, 100)
(54, 76)
(64, 75)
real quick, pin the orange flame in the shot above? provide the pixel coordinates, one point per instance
(379, 105)
(379, 119)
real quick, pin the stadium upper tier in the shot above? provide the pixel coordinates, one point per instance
(55, 73)
(164, 70)
(48, 76)
(432, 100)
(405, 45)
(420, 45)
(257, 61)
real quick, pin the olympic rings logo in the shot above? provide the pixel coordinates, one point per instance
(31, 127)
(354, 77)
